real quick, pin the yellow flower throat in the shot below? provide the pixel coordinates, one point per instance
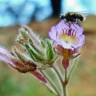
(67, 38)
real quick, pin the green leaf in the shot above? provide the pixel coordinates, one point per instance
(43, 43)
(49, 50)
(34, 55)
(33, 45)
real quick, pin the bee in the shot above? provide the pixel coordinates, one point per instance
(73, 17)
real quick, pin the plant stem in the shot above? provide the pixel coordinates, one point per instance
(74, 65)
(58, 74)
(65, 83)
(60, 78)
(65, 91)
(51, 83)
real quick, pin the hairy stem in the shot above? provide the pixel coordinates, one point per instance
(65, 83)
(74, 65)
(53, 86)
(60, 78)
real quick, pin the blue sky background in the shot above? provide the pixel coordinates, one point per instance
(14, 12)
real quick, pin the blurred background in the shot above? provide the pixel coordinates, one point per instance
(40, 15)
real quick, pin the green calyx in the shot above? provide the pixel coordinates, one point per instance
(40, 50)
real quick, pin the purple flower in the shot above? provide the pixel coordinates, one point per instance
(68, 38)
(67, 34)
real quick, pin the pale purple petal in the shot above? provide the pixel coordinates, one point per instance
(4, 51)
(62, 27)
(53, 33)
(6, 57)
(70, 29)
(6, 60)
(78, 29)
(80, 42)
(58, 29)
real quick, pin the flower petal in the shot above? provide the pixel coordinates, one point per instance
(53, 33)
(61, 27)
(77, 28)
(58, 29)
(80, 42)
(5, 56)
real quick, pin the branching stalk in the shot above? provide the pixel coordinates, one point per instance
(60, 78)
(50, 83)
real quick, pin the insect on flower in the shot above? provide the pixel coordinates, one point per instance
(68, 36)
